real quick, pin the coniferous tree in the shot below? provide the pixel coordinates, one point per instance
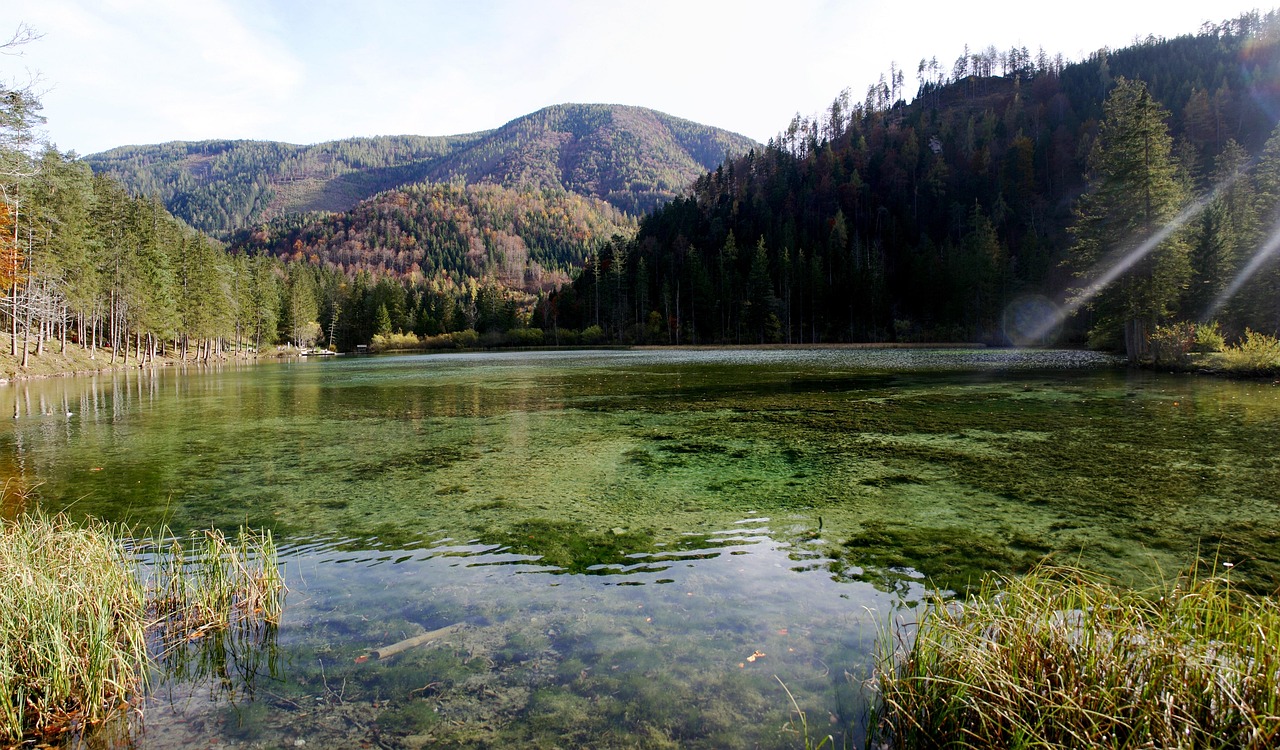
(1127, 248)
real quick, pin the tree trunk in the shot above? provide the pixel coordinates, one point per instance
(1136, 340)
(13, 322)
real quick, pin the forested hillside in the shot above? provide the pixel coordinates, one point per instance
(522, 239)
(1127, 192)
(219, 186)
(882, 220)
(633, 158)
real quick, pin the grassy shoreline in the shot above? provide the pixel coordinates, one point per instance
(1061, 658)
(86, 619)
(53, 363)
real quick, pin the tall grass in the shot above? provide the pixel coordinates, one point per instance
(72, 624)
(79, 609)
(208, 582)
(216, 604)
(1060, 658)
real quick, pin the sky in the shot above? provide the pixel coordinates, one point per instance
(121, 72)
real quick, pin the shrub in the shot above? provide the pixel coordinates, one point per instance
(1257, 353)
(395, 342)
(467, 339)
(1171, 345)
(1209, 338)
(525, 337)
(439, 341)
(592, 335)
(493, 339)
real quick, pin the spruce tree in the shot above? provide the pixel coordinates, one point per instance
(1132, 257)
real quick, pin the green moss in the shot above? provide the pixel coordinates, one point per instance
(414, 716)
(571, 547)
(954, 557)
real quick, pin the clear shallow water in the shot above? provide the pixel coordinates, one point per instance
(619, 532)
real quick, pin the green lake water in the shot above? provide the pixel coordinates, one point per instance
(641, 546)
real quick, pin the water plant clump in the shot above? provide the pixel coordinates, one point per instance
(1061, 658)
(76, 637)
(72, 636)
(208, 582)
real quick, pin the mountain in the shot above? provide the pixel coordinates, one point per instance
(940, 218)
(631, 157)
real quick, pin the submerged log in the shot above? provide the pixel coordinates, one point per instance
(408, 643)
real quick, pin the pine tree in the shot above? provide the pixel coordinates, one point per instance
(1134, 260)
(762, 303)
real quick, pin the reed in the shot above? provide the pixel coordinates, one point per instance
(85, 616)
(1062, 658)
(72, 634)
(208, 582)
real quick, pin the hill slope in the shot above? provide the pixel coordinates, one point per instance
(634, 158)
(523, 239)
(928, 220)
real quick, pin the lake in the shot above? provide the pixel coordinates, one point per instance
(641, 547)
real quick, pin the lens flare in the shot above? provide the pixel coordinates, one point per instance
(1119, 261)
(1032, 320)
(1255, 264)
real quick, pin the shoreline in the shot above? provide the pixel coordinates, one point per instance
(77, 361)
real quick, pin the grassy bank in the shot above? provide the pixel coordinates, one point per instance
(75, 360)
(1060, 658)
(85, 616)
(53, 362)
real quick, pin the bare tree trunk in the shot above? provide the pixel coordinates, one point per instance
(115, 330)
(45, 322)
(13, 322)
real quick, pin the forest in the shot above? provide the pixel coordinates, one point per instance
(1112, 197)
(1006, 178)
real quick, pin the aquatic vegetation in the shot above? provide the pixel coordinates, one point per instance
(956, 558)
(1062, 658)
(214, 606)
(73, 632)
(207, 582)
(83, 626)
(620, 531)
